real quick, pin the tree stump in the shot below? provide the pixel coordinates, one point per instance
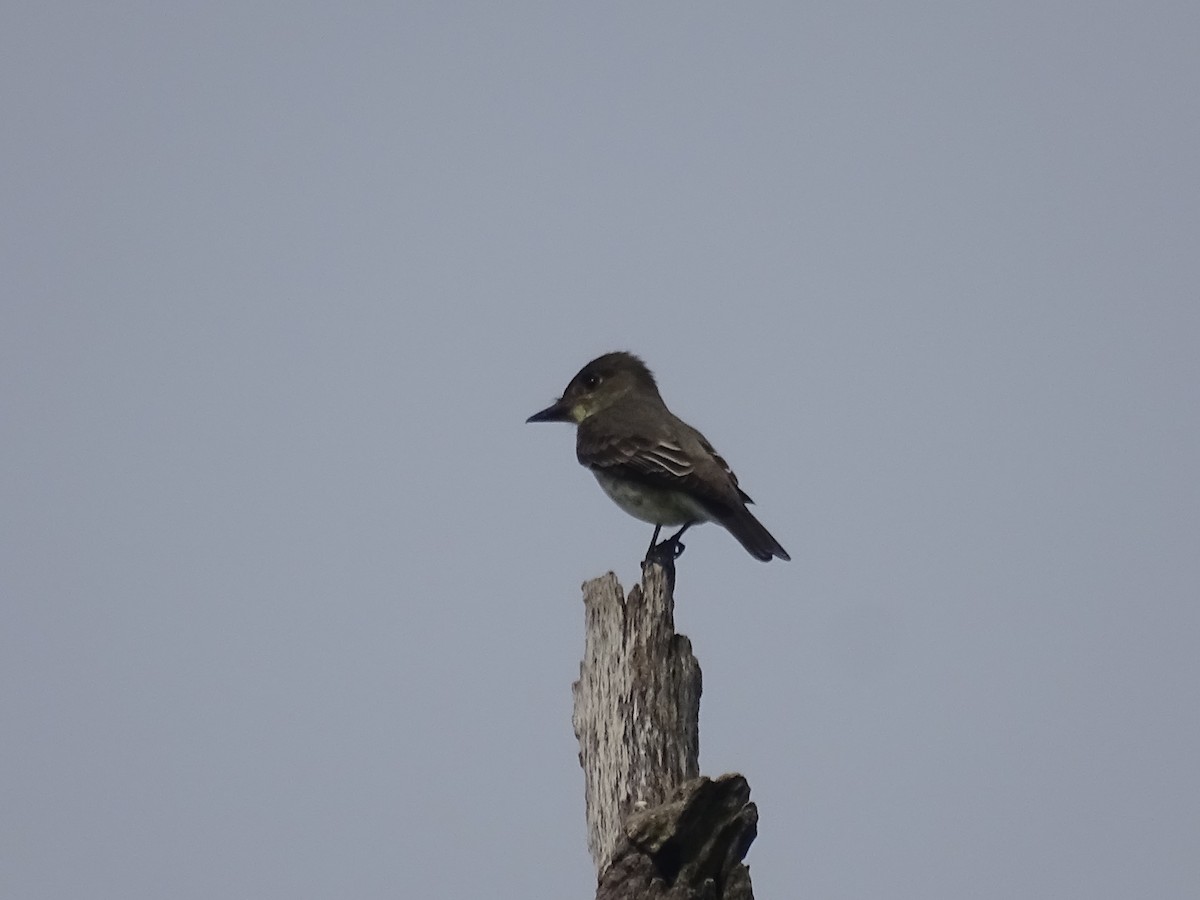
(655, 828)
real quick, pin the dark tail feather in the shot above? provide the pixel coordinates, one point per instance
(753, 536)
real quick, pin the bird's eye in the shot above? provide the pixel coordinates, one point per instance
(591, 381)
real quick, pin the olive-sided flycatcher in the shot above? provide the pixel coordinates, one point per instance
(651, 463)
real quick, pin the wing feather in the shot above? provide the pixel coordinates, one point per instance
(663, 463)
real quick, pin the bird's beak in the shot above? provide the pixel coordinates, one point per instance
(556, 412)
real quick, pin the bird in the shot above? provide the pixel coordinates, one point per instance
(650, 462)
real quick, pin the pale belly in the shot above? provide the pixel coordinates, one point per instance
(654, 505)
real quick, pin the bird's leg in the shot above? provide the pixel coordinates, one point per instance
(669, 550)
(650, 549)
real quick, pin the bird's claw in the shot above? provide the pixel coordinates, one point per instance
(666, 552)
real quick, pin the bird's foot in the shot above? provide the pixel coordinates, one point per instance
(666, 552)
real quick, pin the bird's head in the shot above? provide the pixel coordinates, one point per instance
(601, 383)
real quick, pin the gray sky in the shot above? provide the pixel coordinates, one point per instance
(290, 592)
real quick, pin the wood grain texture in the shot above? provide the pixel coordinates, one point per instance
(655, 828)
(637, 704)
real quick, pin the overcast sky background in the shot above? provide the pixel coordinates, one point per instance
(290, 591)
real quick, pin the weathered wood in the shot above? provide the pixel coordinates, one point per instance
(637, 705)
(656, 830)
(689, 848)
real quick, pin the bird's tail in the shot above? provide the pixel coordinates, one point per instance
(753, 536)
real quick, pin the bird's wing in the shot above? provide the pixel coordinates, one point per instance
(664, 462)
(720, 461)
